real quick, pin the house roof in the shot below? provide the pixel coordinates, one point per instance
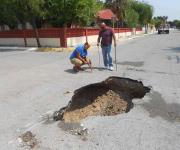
(106, 14)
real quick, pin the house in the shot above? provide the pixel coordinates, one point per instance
(107, 16)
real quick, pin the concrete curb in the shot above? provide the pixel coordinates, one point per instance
(52, 49)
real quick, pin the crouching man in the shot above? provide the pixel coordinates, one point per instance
(79, 57)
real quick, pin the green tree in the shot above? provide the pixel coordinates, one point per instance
(119, 7)
(68, 12)
(31, 11)
(129, 11)
(14, 12)
(177, 23)
(159, 21)
(7, 15)
(156, 22)
(145, 12)
(132, 18)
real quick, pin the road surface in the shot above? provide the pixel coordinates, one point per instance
(33, 83)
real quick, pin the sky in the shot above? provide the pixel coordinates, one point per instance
(170, 8)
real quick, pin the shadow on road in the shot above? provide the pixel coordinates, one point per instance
(174, 49)
(135, 64)
(11, 49)
(85, 69)
(70, 71)
(95, 68)
(157, 107)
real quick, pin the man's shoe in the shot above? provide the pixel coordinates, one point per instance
(111, 68)
(75, 69)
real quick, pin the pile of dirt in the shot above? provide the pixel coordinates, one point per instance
(108, 104)
(110, 97)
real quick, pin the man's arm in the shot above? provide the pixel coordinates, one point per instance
(99, 38)
(89, 63)
(80, 58)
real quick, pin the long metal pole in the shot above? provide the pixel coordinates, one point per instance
(99, 56)
(115, 57)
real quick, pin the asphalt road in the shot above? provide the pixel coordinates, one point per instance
(33, 83)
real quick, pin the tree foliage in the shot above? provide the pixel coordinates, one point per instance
(20, 11)
(159, 21)
(132, 18)
(119, 7)
(174, 24)
(60, 13)
(144, 10)
(177, 23)
(68, 12)
(131, 12)
(29, 11)
(7, 15)
(55, 12)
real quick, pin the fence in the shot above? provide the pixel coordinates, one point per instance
(57, 36)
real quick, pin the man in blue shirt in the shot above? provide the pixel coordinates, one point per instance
(79, 57)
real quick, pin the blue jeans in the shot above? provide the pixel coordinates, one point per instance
(106, 52)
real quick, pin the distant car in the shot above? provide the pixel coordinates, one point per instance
(163, 29)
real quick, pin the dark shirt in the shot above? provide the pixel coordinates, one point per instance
(106, 36)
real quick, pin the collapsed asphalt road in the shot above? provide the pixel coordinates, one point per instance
(33, 83)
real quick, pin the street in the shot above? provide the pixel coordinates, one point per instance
(34, 83)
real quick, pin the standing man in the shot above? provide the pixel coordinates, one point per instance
(106, 34)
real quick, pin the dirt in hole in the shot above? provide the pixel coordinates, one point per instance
(110, 103)
(110, 97)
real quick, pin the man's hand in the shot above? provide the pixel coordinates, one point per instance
(97, 44)
(85, 62)
(115, 44)
(90, 66)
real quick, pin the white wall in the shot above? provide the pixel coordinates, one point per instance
(55, 42)
(139, 32)
(77, 40)
(12, 41)
(123, 34)
(52, 42)
(74, 41)
(31, 42)
(93, 39)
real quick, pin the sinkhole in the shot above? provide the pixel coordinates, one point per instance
(107, 98)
